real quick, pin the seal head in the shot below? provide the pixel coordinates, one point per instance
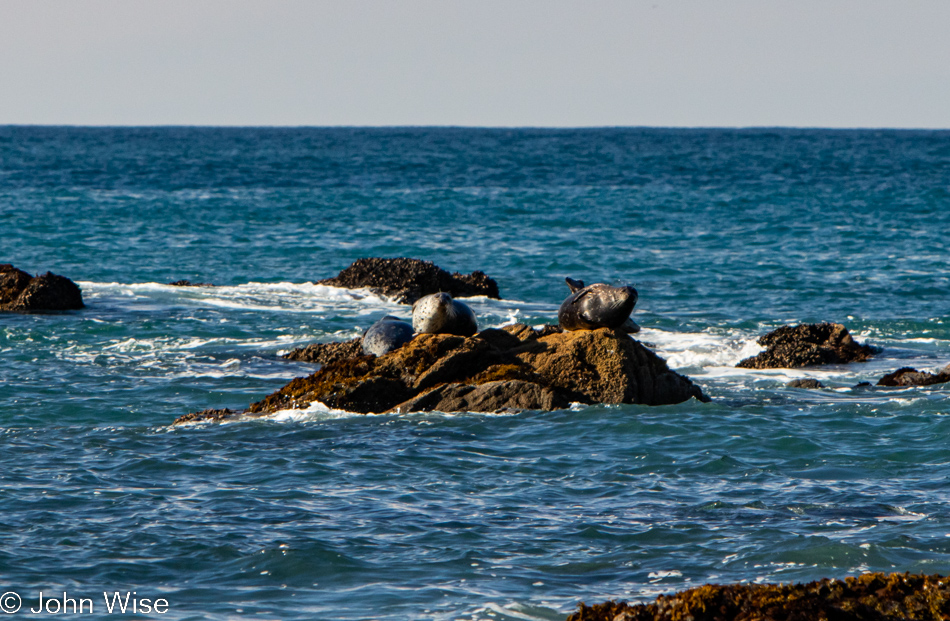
(438, 313)
(597, 306)
(386, 335)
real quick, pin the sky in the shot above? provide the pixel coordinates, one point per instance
(539, 63)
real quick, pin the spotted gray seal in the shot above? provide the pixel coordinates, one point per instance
(386, 335)
(597, 306)
(438, 313)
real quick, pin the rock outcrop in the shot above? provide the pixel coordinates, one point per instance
(868, 597)
(21, 292)
(515, 368)
(325, 353)
(807, 345)
(907, 376)
(407, 280)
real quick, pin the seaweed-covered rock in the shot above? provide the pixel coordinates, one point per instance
(513, 368)
(47, 292)
(406, 280)
(807, 345)
(325, 353)
(869, 597)
(907, 376)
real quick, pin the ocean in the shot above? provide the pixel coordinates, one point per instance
(726, 234)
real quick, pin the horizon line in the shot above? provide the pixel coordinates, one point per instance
(488, 127)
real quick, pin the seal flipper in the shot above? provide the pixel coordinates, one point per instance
(575, 285)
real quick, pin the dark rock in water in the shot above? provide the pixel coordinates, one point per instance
(325, 353)
(208, 416)
(188, 283)
(868, 597)
(386, 335)
(47, 292)
(407, 280)
(907, 376)
(808, 383)
(513, 368)
(12, 283)
(806, 345)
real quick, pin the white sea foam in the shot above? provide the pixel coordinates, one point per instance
(317, 411)
(699, 350)
(252, 296)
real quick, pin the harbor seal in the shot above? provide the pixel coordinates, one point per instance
(438, 313)
(386, 335)
(597, 306)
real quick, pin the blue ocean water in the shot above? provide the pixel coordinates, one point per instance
(726, 234)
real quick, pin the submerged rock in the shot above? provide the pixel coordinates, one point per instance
(325, 353)
(208, 416)
(19, 291)
(809, 383)
(907, 376)
(869, 597)
(807, 345)
(497, 369)
(188, 283)
(407, 280)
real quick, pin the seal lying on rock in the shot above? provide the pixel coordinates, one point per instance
(438, 313)
(386, 335)
(597, 306)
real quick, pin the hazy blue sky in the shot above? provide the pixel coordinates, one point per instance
(829, 63)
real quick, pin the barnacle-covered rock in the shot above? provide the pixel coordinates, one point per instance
(869, 597)
(805, 345)
(406, 280)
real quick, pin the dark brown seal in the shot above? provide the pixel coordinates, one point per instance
(596, 306)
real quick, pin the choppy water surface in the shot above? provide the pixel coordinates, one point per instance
(469, 516)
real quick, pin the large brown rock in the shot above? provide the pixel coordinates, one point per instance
(516, 368)
(868, 597)
(605, 366)
(406, 280)
(494, 396)
(907, 376)
(47, 292)
(806, 345)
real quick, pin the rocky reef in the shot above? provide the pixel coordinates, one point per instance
(805, 345)
(406, 280)
(869, 597)
(22, 292)
(907, 376)
(515, 368)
